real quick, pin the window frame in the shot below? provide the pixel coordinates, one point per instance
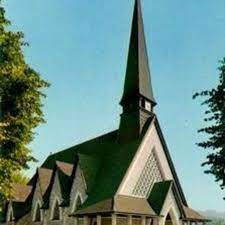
(78, 196)
(37, 207)
(56, 204)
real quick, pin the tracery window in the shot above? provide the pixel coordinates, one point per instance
(56, 211)
(150, 174)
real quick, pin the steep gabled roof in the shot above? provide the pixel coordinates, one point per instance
(170, 161)
(44, 177)
(103, 161)
(66, 176)
(65, 172)
(192, 215)
(23, 194)
(20, 200)
(20, 193)
(104, 206)
(132, 205)
(66, 168)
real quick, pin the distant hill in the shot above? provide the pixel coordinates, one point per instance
(212, 214)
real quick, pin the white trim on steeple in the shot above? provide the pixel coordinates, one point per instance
(123, 188)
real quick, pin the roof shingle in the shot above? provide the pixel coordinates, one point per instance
(193, 215)
(120, 204)
(103, 161)
(20, 192)
(44, 178)
(66, 168)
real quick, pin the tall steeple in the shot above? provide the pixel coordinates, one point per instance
(138, 100)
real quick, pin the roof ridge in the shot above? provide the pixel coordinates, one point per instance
(170, 161)
(86, 141)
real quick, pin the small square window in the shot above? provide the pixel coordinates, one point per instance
(148, 106)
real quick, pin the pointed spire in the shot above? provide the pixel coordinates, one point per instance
(138, 101)
(138, 80)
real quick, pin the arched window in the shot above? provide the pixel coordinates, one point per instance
(78, 203)
(168, 220)
(37, 217)
(56, 212)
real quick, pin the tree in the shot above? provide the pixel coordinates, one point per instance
(21, 92)
(214, 99)
(217, 222)
(20, 178)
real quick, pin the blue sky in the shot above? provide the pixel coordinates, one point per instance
(80, 47)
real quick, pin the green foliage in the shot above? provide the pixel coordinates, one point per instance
(20, 178)
(21, 95)
(217, 222)
(1, 214)
(215, 129)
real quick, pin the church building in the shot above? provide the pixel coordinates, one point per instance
(125, 177)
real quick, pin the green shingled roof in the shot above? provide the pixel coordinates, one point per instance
(65, 184)
(104, 162)
(114, 165)
(89, 154)
(158, 195)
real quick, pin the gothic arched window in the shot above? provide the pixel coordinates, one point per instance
(37, 217)
(56, 212)
(78, 203)
(168, 220)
